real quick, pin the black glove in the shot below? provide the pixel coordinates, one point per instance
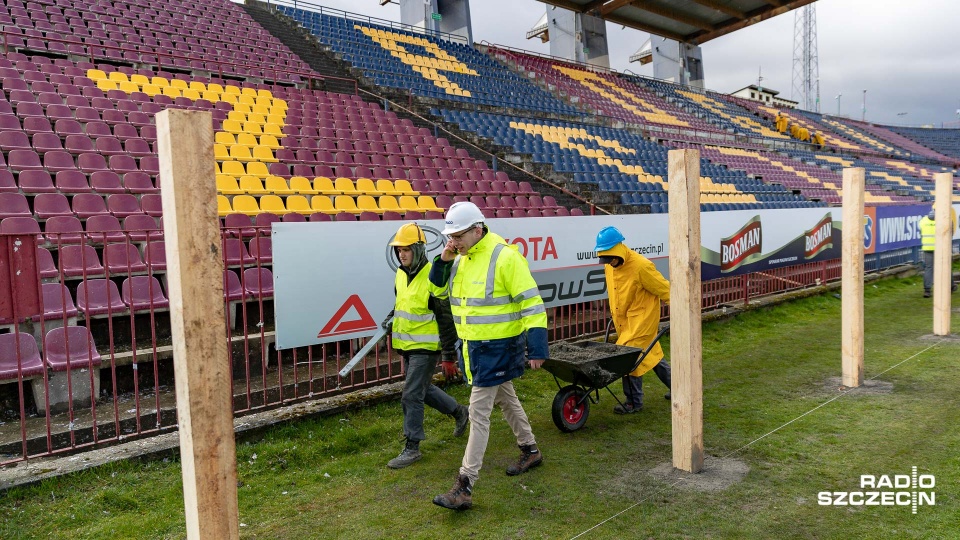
(387, 323)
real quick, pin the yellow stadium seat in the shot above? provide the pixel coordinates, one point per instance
(245, 204)
(408, 203)
(118, 76)
(129, 87)
(212, 97)
(233, 168)
(190, 93)
(159, 81)
(273, 205)
(266, 102)
(171, 91)
(228, 185)
(277, 186)
(220, 152)
(252, 185)
(257, 118)
(345, 186)
(366, 186)
(273, 129)
(248, 92)
(275, 119)
(366, 203)
(302, 186)
(96, 74)
(389, 203)
(346, 203)
(403, 187)
(249, 100)
(214, 87)
(237, 116)
(216, 166)
(426, 202)
(325, 185)
(264, 154)
(270, 141)
(179, 83)
(223, 206)
(322, 203)
(230, 89)
(299, 205)
(386, 187)
(260, 109)
(240, 153)
(252, 127)
(255, 168)
(107, 84)
(247, 139)
(198, 86)
(151, 90)
(230, 126)
(264, 93)
(224, 138)
(228, 98)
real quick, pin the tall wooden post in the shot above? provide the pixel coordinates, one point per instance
(201, 365)
(851, 325)
(685, 325)
(942, 254)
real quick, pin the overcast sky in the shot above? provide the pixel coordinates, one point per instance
(905, 54)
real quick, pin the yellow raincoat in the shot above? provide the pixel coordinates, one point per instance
(636, 288)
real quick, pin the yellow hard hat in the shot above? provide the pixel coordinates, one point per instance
(407, 235)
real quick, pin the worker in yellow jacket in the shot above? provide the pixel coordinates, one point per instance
(928, 236)
(635, 289)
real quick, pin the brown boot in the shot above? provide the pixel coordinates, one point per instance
(529, 458)
(459, 497)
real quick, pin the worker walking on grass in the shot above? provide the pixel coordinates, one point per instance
(635, 288)
(421, 324)
(500, 316)
(928, 240)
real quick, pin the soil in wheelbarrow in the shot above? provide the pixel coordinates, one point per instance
(587, 359)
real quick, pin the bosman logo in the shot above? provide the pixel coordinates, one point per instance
(911, 490)
(738, 249)
(819, 238)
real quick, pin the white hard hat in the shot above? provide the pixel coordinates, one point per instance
(461, 216)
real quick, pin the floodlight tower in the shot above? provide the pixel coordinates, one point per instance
(806, 67)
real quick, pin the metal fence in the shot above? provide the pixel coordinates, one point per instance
(86, 347)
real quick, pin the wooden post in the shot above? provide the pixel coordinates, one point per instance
(942, 254)
(201, 365)
(685, 326)
(851, 324)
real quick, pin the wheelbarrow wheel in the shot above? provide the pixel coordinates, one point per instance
(569, 413)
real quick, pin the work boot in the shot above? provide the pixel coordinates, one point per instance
(410, 455)
(667, 396)
(926, 293)
(460, 496)
(627, 408)
(462, 416)
(529, 458)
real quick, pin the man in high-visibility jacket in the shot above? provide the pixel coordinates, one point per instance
(928, 236)
(500, 318)
(635, 289)
(422, 326)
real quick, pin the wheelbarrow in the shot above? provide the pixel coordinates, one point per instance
(589, 366)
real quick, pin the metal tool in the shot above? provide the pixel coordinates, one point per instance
(374, 339)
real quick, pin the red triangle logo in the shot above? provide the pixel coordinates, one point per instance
(337, 325)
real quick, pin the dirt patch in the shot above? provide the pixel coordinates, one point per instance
(833, 384)
(717, 475)
(949, 338)
(579, 354)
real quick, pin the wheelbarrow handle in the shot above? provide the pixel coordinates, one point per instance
(650, 347)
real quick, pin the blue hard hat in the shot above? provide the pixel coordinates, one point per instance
(607, 238)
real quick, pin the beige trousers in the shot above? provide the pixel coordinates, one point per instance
(482, 401)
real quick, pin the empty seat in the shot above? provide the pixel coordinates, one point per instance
(48, 205)
(97, 297)
(14, 205)
(104, 228)
(19, 357)
(63, 230)
(80, 261)
(57, 302)
(106, 182)
(122, 259)
(87, 205)
(122, 205)
(71, 347)
(232, 290)
(258, 282)
(142, 293)
(235, 253)
(155, 255)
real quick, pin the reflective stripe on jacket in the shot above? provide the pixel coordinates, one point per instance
(414, 323)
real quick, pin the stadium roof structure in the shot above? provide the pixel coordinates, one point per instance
(689, 21)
